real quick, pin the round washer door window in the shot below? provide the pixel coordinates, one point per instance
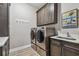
(40, 36)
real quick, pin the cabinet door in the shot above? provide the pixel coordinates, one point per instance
(50, 13)
(42, 16)
(53, 13)
(46, 13)
(55, 48)
(70, 52)
(39, 18)
(5, 50)
(4, 27)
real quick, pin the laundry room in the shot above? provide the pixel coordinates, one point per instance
(39, 29)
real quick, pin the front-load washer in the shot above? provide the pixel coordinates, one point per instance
(42, 34)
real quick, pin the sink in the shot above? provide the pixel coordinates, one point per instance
(69, 38)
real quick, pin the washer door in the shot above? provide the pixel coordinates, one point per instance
(40, 36)
(32, 35)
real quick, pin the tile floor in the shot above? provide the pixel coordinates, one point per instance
(25, 52)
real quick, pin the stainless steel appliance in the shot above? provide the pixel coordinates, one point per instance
(33, 35)
(41, 39)
(33, 38)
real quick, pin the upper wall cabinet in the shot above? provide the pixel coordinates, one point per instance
(47, 14)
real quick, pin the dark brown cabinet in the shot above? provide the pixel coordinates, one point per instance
(39, 17)
(47, 14)
(70, 52)
(70, 49)
(62, 48)
(4, 19)
(4, 27)
(4, 50)
(55, 48)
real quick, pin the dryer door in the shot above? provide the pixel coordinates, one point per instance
(40, 36)
(32, 35)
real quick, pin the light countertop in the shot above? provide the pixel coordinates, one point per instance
(3, 41)
(73, 41)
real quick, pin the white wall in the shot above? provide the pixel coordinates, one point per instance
(20, 31)
(69, 6)
(66, 7)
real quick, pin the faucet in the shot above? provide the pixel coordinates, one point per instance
(68, 34)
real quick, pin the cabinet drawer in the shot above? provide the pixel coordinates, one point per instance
(73, 45)
(70, 52)
(56, 42)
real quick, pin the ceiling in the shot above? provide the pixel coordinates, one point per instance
(37, 5)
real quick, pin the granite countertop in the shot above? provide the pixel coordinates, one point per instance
(67, 40)
(3, 41)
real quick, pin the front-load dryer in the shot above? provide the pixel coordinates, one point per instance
(33, 35)
(33, 38)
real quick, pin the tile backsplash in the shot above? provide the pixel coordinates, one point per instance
(73, 32)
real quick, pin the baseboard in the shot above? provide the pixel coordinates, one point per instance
(19, 48)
